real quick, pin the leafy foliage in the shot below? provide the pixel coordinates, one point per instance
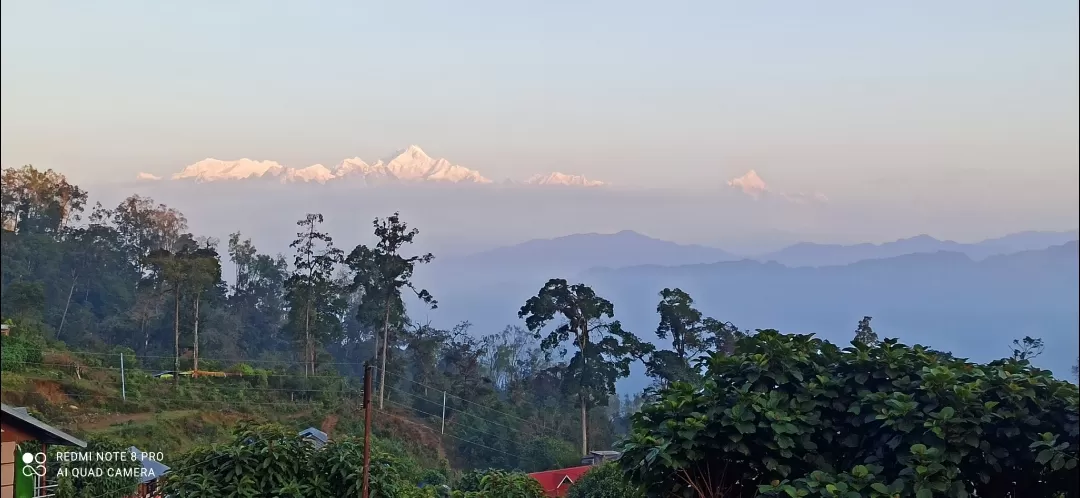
(691, 335)
(38, 201)
(271, 461)
(90, 478)
(604, 481)
(498, 484)
(796, 415)
(600, 360)
(864, 333)
(314, 298)
(1027, 348)
(379, 275)
(22, 349)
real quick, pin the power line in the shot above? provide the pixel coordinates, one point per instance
(541, 428)
(238, 388)
(190, 400)
(452, 423)
(451, 435)
(202, 358)
(534, 424)
(458, 410)
(150, 372)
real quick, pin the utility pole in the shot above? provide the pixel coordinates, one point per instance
(443, 412)
(123, 379)
(367, 427)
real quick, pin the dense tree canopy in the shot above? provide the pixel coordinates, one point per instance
(797, 415)
(604, 349)
(35, 201)
(691, 334)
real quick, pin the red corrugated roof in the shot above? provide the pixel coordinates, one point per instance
(557, 482)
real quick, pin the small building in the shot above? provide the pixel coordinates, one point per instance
(317, 438)
(599, 457)
(5, 329)
(153, 471)
(556, 483)
(18, 426)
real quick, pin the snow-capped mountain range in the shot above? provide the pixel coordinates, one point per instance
(410, 165)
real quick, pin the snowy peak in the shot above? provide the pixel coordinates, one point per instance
(210, 169)
(751, 184)
(413, 164)
(564, 179)
(412, 153)
(409, 165)
(315, 173)
(350, 166)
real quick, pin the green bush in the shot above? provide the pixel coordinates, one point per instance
(17, 354)
(470, 480)
(273, 461)
(131, 362)
(434, 477)
(498, 484)
(604, 481)
(114, 481)
(791, 415)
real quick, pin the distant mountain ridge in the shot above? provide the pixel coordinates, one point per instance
(946, 300)
(410, 165)
(627, 248)
(586, 250)
(540, 259)
(811, 254)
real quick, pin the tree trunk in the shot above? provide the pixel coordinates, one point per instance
(176, 337)
(146, 333)
(584, 408)
(584, 427)
(386, 340)
(307, 336)
(63, 318)
(195, 352)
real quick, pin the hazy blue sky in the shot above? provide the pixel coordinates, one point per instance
(976, 99)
